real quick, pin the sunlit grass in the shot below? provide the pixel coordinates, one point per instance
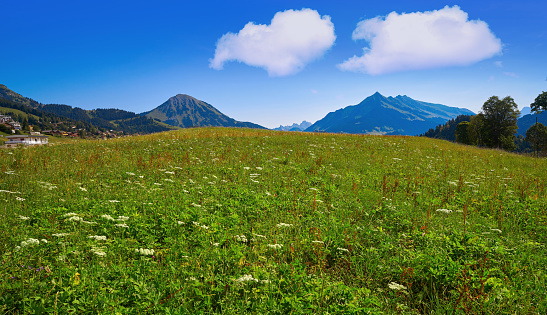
(246, 221)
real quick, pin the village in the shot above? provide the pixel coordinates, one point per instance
(18, 136)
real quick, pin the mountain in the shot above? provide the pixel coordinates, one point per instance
(295, 127)
(526, 121)
(185, 111)
(63, 117)
(378, 114)
(525, 111)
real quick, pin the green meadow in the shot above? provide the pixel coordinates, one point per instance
(239, 221)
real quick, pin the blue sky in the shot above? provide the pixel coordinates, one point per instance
(307, 61)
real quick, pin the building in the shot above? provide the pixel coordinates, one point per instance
(26, 140)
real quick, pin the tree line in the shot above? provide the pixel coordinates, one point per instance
(496, 124)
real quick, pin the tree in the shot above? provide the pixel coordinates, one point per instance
(540, 103)
(462, 133)
(537, 136)
(476, 130)
(500, 120)
(25, 125)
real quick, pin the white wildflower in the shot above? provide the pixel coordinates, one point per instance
(444, 210)
(496, 230)
(343, 249)
(23, 217)
(246, 168)
(216, 244)
(17, 248)
(30, 242)
(59, 234)
(196, 205)
(108, 217)
(75, 218)
(259, 168)
(279, 225)
(169, 172)
(82, 189)
(246, 278)
(122, 225)
(19, 198)
(70, 214)
(275, 246)
(113, 201)
(144, 251)
(129, 173)
(43, 240)
(318, 242)
(396, 286)
(98, 237)
(258, 235)
(180, 222)
(89, 222)
(168, 180)
(122, 218)
(99, 251)
(241, 238)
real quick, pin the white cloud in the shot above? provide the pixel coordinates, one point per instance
(421, 40)
(293, 39)
(498, 64)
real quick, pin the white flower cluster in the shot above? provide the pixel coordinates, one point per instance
(75, 218)
(23, 217)
(59, 234)
(343, 249)
(29, 242)
(201, 226)
(98, 237)
(246, 278)
(279, 225)
(396, 286)
(144, 251)
(318, 242)
(275, 246)
(122, 225)
(444, 211)
(99, 251)
(70, 214)
(241, 238)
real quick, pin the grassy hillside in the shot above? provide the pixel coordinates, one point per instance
(234, 221)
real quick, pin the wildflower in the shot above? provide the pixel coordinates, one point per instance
(122, 225)
(342, 249)
(108, 217)
(258, 235)
(75, 218)
(122, 218)
(30, 242)
(43, 240)
(444, 210)
(99, 251)
(82, 189)
(98, 237)
(246, 278)
(129, 173)
(275, 246)
(168, 172)
(23, 217)
(496, 230)
(246, 168)
(241, 238)
(144, 251)
(89, 222)
(259, 168)
(180, 222)
(59, 234)
(216, 244)
(283, 225)
(396, 286)
(196, 205)
(70, 214)
(19, 198)
(113, 201)
(318, 242)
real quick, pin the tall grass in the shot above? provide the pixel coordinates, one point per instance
(219, 220)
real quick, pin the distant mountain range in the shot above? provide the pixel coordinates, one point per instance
(525, 122)
(382, 115)
(295, 127)
(185, 111)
